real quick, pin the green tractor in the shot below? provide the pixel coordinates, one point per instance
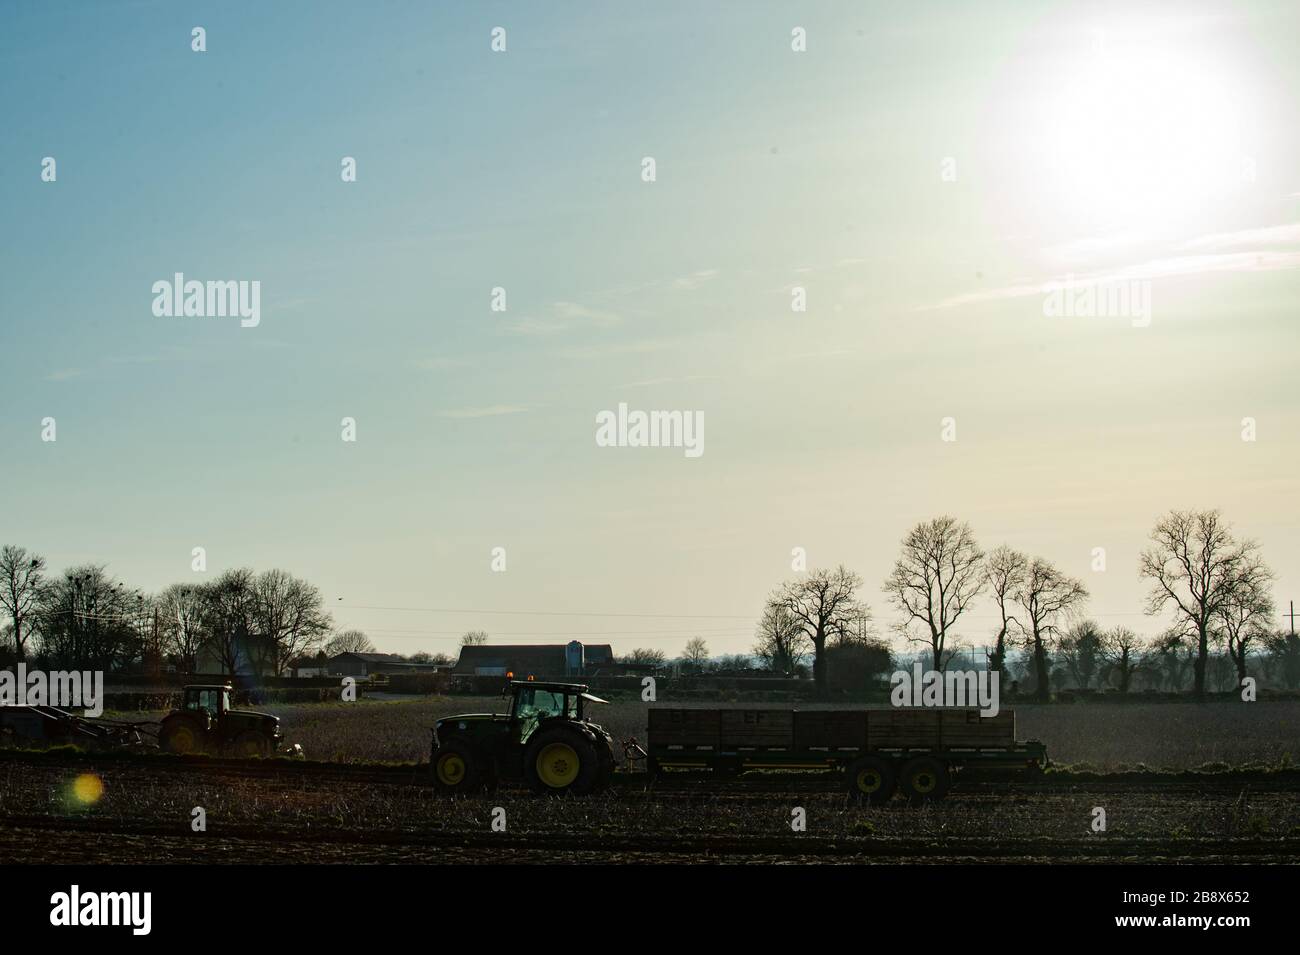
(205, 723)
(545, 741)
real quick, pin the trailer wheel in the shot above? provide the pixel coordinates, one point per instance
(924, 778)
(456, 768)
(560, 762)
(871, 780)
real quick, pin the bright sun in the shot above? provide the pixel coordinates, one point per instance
(1140, 138)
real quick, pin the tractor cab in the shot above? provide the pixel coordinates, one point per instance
(207, 701)
(534, 703)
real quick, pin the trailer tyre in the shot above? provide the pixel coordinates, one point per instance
(456, 768)
(561, 762)
(924, 778)
(871, 780)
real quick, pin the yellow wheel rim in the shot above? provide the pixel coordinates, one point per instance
(182, 741)
(924, 781)
(870, 780)
(557, 765)
(451, 769)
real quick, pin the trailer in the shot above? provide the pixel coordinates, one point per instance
(51, 726)
(917, 750)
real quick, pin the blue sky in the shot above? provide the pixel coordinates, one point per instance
(1088, 140)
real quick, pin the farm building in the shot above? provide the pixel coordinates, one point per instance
(253, 655)
(364, 664)
(541, 661)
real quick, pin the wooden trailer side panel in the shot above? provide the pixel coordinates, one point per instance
(833, 729)
(903, 729)
(965, 729)
(741, 728)
(685, 727)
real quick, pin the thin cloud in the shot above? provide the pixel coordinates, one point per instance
(564, 317)
(1288, 234)
(688, 283)
(491, 411)
(1154, 269)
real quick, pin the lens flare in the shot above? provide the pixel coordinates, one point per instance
(87, 789)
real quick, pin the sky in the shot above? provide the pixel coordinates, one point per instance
(927, 173)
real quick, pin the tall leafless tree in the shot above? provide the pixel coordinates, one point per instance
(824, 605)
(695, 658)
(1046, 596)
(1004, 572)
(289, 616)
(228, 618)
(89, 620)
(938, 574)
(181, 609)
(1121, 649)
(1080, 649)
(1195, 562)
(1246, 617)
(781, 639)
(474, 638)
(22, 576)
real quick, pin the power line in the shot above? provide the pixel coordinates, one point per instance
(561, 613)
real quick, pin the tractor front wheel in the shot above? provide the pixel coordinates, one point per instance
(251, 744)
(561, 762)
(456, 768)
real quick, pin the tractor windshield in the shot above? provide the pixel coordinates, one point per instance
(543, 704)
(209, 700)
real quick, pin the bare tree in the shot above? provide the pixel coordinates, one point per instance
(1004, 572)
(290, 618)
(181, 610)
(1195, 562)
(21, 581)
(781, 639)
(474, 638)
(1121, 649)
(937, 575)
(696, 655)
(1246, 616)
(228, 617)
(824, 605)
(645, 657)
(1046, 595)
(352, 641)
(89, 620)
(1284, 649)
(1080, 649)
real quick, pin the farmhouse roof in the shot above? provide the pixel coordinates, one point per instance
(540, 659)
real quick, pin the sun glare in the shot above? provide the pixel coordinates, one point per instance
(1139, 138)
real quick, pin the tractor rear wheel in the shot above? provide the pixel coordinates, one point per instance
(871, 780)
(251, 744)
(456, 768)
(561, 762)
(181, 737)
(924, 778)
